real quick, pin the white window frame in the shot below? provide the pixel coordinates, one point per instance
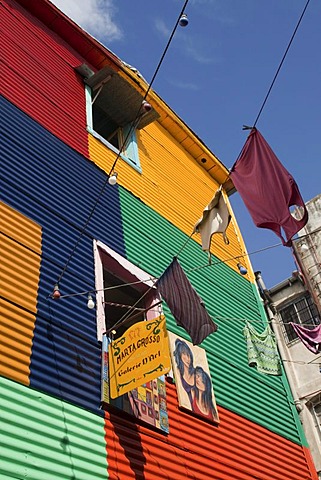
(130, 154)
(124, 264)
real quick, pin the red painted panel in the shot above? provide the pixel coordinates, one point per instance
(89, 48)
(237, 449)
(37, 75)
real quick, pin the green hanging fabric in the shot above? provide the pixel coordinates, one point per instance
(261, 350)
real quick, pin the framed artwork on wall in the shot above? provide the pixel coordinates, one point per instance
(192, 377)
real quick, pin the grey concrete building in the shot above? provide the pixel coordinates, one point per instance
(298, 299)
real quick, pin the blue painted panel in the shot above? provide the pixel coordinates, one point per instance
(56, 187)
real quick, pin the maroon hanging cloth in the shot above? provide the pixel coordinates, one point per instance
(267, 188)
(184, 303)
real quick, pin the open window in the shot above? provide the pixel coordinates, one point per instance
(114, 111)
(121, 288)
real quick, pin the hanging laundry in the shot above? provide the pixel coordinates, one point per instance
(216, 218)
(311, 338)
(184, 303)
(261, 350)
(267, 188)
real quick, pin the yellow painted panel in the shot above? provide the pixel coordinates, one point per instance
(173, 184)
(20, 249)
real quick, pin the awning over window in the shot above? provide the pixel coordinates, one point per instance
(118, 98)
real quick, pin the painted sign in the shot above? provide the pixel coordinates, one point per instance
(139, 356)
(192, 378)
(146, 402)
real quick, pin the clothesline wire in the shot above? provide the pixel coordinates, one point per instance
(238, 257)
(301, 362)
(152, 279)
(245, 127)
(113, 287)
(281, 63)
(92, 211)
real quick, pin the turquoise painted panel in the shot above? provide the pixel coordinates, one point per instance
(151, 243)
(43, 438)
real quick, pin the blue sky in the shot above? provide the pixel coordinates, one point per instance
(215, 76)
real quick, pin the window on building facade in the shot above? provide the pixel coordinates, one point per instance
(121, 285)
(114, 113)
(121, 288)
(302, 311)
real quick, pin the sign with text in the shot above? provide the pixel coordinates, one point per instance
(139, 356)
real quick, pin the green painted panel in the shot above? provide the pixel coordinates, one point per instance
(151, 243)
(44, 438)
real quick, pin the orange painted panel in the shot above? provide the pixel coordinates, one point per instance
(236, 449)
(173, 184)
(16, 327)
(20, 250)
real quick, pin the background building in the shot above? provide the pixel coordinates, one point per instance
(67, 104)
(297, 299)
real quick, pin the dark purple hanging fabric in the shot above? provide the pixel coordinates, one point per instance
(267, 188)
(311, 338)
(184, 303)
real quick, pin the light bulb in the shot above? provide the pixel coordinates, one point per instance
(90, 302)
(304, 247)
(183, 21)
(146, 106)
(112, 180)
(242, 269)
(56, 293)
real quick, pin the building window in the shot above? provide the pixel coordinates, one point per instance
(121, 285)
(302, 311)
(115, 136)
(114, 111)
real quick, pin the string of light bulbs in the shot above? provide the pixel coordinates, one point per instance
(111, 178)
(57, 295)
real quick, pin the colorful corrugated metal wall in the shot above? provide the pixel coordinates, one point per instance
(173, 184)
(56, 187)
(238, 449)
(52, 422)
(228, 297)
(43, 438)
(37, 75)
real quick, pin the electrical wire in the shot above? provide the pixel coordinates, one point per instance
(91, 213)
(281, 63)
(245, 127)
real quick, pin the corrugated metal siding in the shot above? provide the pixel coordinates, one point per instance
(151, 243)
(43, 438)
(172, 184)
(236, 449)
(20, 249)
(49, 182)
(37, 75)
